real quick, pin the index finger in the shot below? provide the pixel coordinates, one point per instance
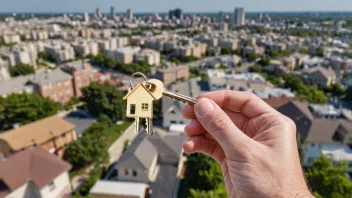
(244, 102)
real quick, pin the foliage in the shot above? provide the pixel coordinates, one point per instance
(21, 69)
(86, 150)
(304, 92)
(93, 176)
(303, 51)
(188, 59)
(210, 53)
(345, 75)
(222, 66)
(195, 72)
(269, 77)
(251, 56)
(24, 108)
(157, 115)
(104, 61)
(348, 95)
(104, 99)
(329, 180)
(265, 61)
(319, 52)
(105, 120)
(175, 60)
(203, 177)
(335, 90)
(275, 53)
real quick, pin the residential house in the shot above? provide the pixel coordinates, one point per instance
(34, 173)
(231, 44)
(60, 51)
(170, 73)
(4, 70)
(9, 38)
(320, 76)
(154, 160)
(51, 133)
(317, 136)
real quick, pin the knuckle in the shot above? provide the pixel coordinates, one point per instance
(218, 123)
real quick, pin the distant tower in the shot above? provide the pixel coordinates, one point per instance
(178, 13)
(239, 16)
(112, 13)
(86, 17)
(221, 17)
(171, 14)
(129, 14)
(98, 13)
(260, 18)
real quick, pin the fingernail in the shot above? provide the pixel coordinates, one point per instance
(204, 106)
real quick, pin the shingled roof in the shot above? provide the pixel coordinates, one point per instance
(36, 165)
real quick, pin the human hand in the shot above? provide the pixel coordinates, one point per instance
(254, 144)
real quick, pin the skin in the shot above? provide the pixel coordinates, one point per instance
(254, 144)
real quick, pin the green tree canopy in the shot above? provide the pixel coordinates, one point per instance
(104, 99)
(329, 180)
(335, 90)
(21, 69)
(348, 94)
(24, 108)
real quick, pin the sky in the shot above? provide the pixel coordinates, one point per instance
(165, 5)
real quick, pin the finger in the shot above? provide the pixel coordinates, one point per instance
(188, 112)
(244, 102)
(237, 118)
(195, 128)
(219, 125)
(204, 145)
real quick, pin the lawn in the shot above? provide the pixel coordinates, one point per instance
(111, 134)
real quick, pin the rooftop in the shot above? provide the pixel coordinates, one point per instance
(118, 188)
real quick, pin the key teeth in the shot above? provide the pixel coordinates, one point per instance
(147, 126)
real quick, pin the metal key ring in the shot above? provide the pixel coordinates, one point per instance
(135, 74)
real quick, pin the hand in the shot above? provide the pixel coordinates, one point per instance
(254, 144)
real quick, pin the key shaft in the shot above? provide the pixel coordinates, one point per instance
(179, 97)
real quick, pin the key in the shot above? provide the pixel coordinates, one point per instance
(136, 124)
(149, 126)
(156, 88)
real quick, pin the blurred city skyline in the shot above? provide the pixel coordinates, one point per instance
(23, 6)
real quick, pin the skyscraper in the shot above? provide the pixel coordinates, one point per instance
(260, 18)
(171, 14)
(239, 16)
(178, 13)
(86, 17)
(129, 14)
(98, 13)
(112, 12)
(220, 17)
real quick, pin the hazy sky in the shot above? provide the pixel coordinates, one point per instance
(165, 5)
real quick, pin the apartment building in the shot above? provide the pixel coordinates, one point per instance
(231, 44)
(51, 133)
(124, 55)
(55, 84)
(196, 49)
(170, 73)
(86, 47)
(4, 70)
(152, 57)
(60, 51)
(9, 38)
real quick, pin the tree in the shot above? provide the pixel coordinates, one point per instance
(319, 52)
(303, 51)
(21, 69)
(293, 82)
(335, 90)
(225, 50)
(265, 61)
(24, 108)
(251, 56)
(348, 94)
(345, 75)
(329, 180)
(104, 99)
(105, 120)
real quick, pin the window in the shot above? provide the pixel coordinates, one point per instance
(132, 109)
(144, 106)
(126, 172)
(173, 121)
(51, 186)
(134, 173)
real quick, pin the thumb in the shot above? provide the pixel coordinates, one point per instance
(219, 125)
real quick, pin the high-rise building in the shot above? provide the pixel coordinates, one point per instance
(221, 17)
(239, 16)
(112, 13)
(171, 14)
(86, 17)
(98, 13)
(178, 13)
(260, 18)
(129, 14)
